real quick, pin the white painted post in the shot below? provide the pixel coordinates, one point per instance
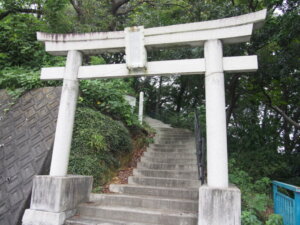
(217, 161)
(66, 114)
(141, 107)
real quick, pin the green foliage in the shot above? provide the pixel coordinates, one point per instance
(98, 143)
(274, 219)
(184, 119)
(108, 97)
(96, 60)
(149, 15)
(248, 218)
(18, 44)
(23, 78)
(256, 196)
(57, 19)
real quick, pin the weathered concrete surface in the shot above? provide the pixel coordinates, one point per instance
(216, 129)
(66, 116)
(58, 194)
(27, 127)
(36, 217)
(219, 206)
(229, 30)
(54, 199)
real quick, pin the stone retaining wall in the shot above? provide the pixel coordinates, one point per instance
(27, 128)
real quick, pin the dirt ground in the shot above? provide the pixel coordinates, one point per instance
(124, 173)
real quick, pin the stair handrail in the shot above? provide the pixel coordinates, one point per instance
(200, 149)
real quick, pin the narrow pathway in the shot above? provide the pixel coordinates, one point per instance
(163, 189)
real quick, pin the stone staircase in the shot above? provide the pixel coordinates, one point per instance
(163, 189)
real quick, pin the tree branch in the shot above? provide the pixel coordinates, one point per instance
(19, 10)
(281, 112)
(4, 14)
(285, 116)
(149, 2)
(233, 98)
(77, 6)
(116, 4)
(130, 9)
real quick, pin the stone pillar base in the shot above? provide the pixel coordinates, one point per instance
(54, 199)
(33, 217)
(219, 206)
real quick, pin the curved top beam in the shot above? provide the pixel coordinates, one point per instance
(229, 30)
(256, 18)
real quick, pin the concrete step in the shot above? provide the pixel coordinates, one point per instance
(172, 150)
(175, 133)
(176, 136)
(175, 130)
(188, 148)
(163, 182)
(169, 160)
(173, 155)
(139, 201)
(166, 166)
(178, 193)
(140, 215)
(172, 142)
(81, 220)
(169, 146)
(192, 174)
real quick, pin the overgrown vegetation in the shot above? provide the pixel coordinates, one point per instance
(98, 144)
(107, 97)
(23, 79)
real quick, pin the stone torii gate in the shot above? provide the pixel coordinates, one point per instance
(135, 41)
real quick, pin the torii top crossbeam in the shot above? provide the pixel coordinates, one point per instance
(229, 30)
(135, 41)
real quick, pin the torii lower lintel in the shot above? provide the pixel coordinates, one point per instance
(233, 64)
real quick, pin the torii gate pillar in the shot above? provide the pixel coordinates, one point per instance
(217, 163)
(218, 203)
(66, 115)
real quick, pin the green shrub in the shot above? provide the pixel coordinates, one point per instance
(24, 78)
(183, 119)
(274, 219)
(98, 143)
(255, 194)
(249, 218)
(107, 96)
